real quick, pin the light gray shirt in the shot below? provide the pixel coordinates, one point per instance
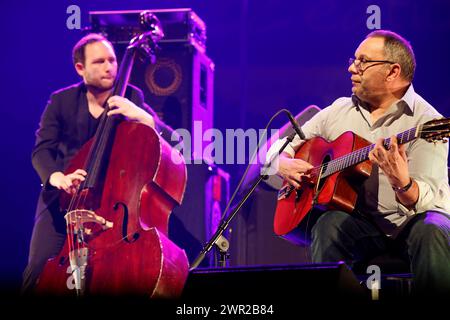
(427, 162)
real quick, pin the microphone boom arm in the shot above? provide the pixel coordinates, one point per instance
(263, 176)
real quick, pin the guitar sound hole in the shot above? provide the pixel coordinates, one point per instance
(325, 161)
(298, 194)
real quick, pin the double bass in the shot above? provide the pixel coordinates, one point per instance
(117, 221)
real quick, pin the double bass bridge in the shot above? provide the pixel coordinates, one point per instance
(79, 255)
(77, 218)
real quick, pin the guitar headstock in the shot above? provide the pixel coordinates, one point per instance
(435, 130)
(146, 42)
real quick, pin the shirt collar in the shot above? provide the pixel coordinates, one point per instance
(408, 99)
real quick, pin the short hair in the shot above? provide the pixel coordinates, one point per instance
(399, 50)
(78, 51)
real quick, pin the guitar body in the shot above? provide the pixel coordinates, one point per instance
(335, 192)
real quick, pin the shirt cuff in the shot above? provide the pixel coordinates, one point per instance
(425, 198)
(405, 211)
(275, 147)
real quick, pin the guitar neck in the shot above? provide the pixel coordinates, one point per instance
(362, 154)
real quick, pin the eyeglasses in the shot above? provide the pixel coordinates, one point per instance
(360, 63)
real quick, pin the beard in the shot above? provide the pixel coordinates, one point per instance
(99, 81)
(100, 85)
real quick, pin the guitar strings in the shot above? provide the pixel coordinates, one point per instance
(345, 160)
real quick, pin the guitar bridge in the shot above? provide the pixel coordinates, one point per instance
(286, 191)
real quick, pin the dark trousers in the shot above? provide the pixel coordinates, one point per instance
(425, 242)
(49, 234)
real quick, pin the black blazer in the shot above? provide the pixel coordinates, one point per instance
(63, 130)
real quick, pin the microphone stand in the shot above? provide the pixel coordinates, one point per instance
(224, 224)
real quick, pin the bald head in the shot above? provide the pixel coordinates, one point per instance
(398, 49)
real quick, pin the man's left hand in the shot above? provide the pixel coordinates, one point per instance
(123, 106)
(393, 162)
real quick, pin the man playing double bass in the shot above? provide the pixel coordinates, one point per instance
(69, 120)
(405, 203)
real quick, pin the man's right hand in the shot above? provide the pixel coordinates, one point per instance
(292, 170)
(70, 182)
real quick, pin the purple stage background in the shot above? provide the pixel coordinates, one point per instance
(268, 54)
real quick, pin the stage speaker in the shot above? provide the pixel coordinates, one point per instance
(179, 87)
(193, 223)
(273, 284)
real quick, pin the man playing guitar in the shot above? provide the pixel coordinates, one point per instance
(405, 200)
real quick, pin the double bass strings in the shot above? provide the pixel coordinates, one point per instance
(74, 221)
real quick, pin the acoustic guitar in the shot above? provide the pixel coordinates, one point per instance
(339, 167)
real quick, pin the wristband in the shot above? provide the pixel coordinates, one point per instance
(405, 188)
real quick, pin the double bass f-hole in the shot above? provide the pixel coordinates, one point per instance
(125, 238)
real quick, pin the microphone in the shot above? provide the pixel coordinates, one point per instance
(295, 125)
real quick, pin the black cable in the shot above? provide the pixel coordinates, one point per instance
(225, 222)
